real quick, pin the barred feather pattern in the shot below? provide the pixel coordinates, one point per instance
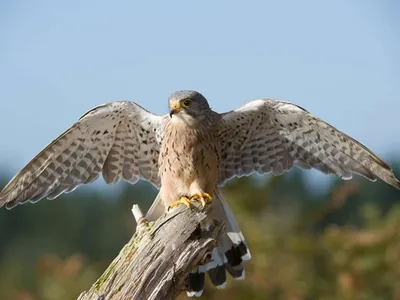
(123, 140)
(270, 136)
(228, 256)
(117, 140)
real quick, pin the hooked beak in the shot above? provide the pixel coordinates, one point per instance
(175, 108)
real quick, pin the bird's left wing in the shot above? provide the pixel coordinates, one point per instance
(272, 136)
(119, 139)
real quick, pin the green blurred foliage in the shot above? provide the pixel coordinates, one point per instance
(341, 243)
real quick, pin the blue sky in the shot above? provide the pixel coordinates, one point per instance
(58, 59)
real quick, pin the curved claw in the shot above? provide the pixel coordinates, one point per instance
(183, 200)
(203, 197)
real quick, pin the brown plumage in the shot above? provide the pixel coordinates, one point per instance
(192, 151)
(186, 155)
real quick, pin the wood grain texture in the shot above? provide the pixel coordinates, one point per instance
(156, 262)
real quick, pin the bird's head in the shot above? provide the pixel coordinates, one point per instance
(188, 106)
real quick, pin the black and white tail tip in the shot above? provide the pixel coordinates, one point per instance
(229, 256)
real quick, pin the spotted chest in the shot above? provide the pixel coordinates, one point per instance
(189, 156)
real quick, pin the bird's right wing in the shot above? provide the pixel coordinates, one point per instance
(119, 140)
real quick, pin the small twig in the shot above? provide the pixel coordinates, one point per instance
(137, 213)
(141, 221)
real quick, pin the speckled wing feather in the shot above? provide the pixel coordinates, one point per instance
(119, 140)
(272, 136)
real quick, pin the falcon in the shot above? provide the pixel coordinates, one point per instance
(188, 155)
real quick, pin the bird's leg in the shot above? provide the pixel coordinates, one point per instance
(183, 200)
(203, 197)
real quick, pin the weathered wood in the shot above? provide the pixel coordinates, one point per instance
(157, 260)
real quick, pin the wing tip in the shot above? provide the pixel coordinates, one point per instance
(395, 183)
(3, 198)
(390, 178)
(7, 203)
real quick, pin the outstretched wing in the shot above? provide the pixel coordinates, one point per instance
(272, 136)
(119, 139)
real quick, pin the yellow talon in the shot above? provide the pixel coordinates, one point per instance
(183, 200)
(203, 197)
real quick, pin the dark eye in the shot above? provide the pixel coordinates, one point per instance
(186, 103)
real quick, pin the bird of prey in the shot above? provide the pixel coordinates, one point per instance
(189, 154)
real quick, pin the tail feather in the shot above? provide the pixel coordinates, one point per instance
(232, 250)
(233, 240)
(218, 277)
(233, 258)
(216, 268)
(156, 209)
(196, 283)
(228, 256)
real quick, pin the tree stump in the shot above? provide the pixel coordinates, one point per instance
(156, 262)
